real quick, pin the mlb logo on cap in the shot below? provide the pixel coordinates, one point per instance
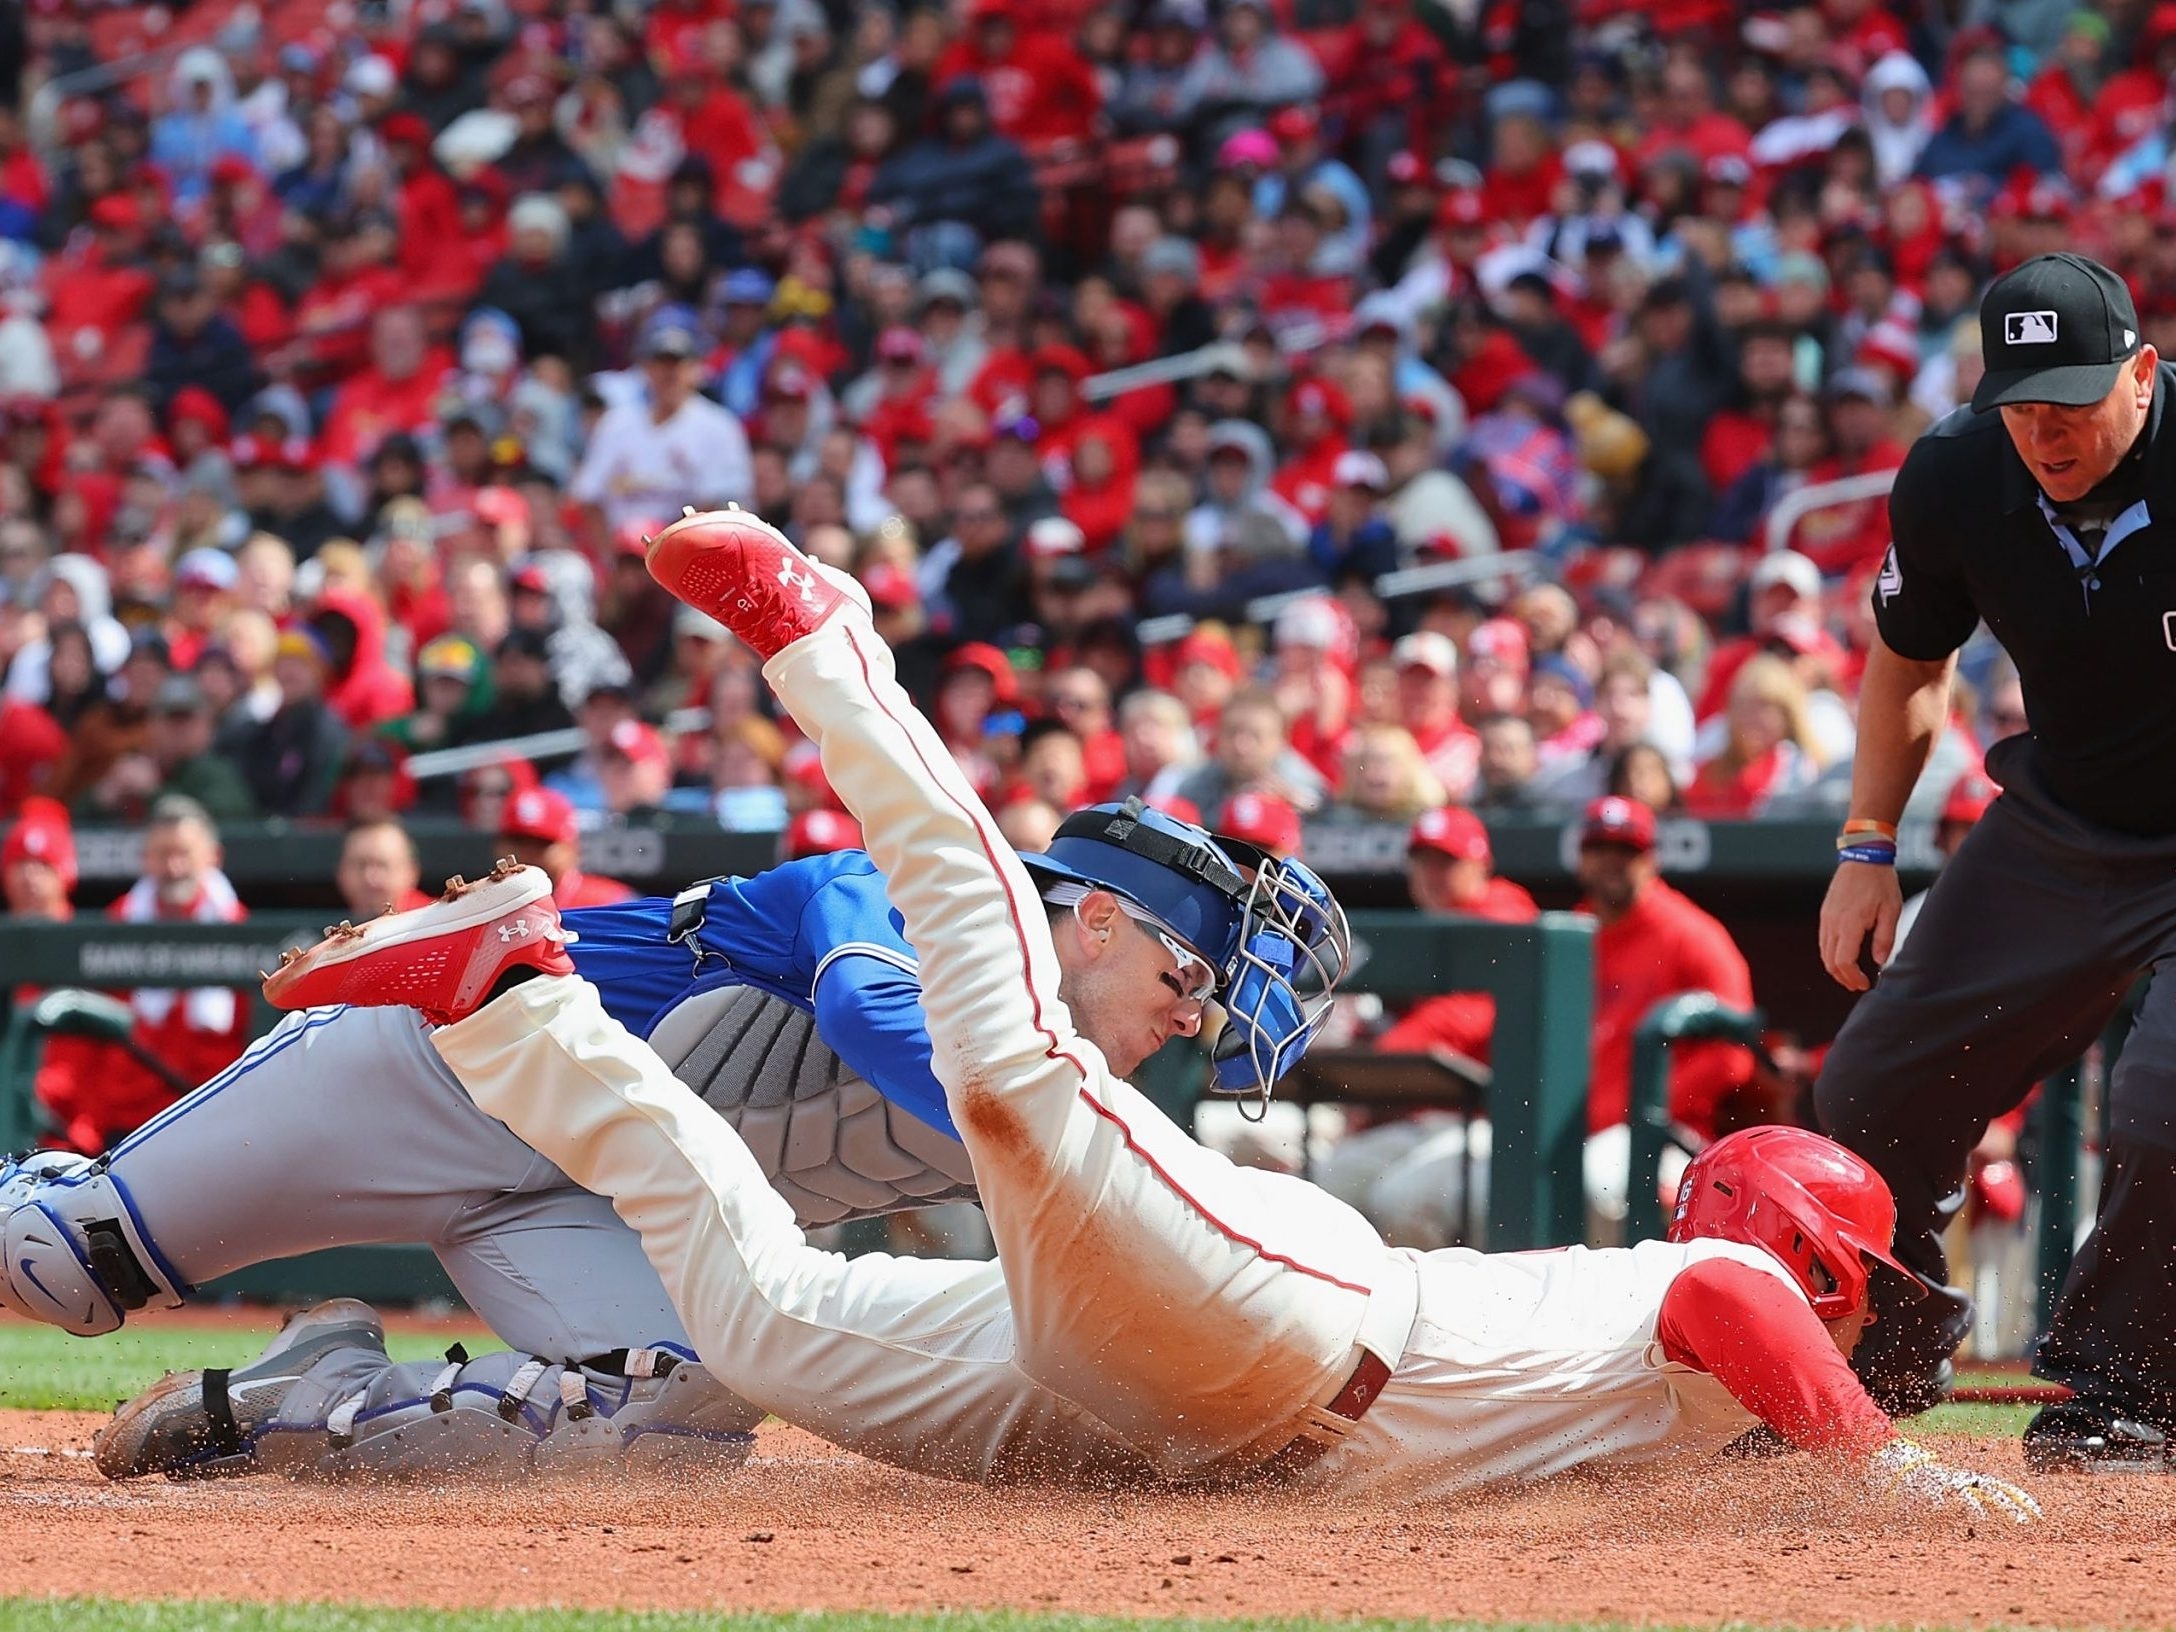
(2030, 328)
(2058, 329)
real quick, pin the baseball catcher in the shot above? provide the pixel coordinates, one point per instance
(789, 1002)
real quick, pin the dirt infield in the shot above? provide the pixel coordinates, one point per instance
(805, 1526)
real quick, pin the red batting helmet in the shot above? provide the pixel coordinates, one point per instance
(1819, 1209)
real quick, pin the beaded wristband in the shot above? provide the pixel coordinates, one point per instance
(1874, 855)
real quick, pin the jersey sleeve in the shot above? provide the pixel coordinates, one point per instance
(1760, 1339)
(869, 1011)
(1922, 606)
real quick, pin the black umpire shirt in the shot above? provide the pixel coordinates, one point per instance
(2082, 597)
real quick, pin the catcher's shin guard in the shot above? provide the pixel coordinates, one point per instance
(74, 1255)
(336, 1408)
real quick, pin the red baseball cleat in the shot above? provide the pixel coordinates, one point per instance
(442, 959)
(744, 572)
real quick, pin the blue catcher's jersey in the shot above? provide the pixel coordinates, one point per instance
(818, 933)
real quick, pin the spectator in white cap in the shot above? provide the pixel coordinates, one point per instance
(1782, 583)
(1314, 646)
(1353, 539)
(204, 581)
(1427, 667)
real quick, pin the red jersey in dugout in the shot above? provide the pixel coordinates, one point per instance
(1464, 1022)
(1662, 946)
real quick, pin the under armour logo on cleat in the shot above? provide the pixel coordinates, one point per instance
(803, 582)
(518, 930)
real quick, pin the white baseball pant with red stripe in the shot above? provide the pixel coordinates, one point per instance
(1154, 1308)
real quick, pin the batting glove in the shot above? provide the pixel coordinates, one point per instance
(1903, 1468)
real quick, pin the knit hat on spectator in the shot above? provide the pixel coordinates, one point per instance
(820, 832)
(42, 833)
(303, 641)
(1452, 831)
(1261, 819)
(1247, 147)
(543, 814)
(1614, 820)
(448, 657)
(1566, 673)
(1427, 650)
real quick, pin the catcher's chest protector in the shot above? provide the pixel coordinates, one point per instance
(831, 1144)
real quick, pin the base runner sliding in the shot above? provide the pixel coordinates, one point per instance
(1155, 1313)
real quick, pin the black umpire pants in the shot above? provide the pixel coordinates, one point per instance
(2033, 934)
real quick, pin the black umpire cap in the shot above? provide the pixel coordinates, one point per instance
(2057, 329)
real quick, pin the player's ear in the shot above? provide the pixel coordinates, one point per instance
(1099, 914)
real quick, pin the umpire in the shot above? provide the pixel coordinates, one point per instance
(2048, 510)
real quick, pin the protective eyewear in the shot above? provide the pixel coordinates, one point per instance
(1196, 981)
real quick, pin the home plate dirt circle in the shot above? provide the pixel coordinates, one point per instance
(805, 1526)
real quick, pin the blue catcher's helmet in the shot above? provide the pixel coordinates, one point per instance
(1270, 929)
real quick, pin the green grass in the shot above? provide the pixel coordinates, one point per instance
(1986, 1421)
(44, 1369)
(103, 1615)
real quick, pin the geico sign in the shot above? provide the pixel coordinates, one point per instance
(1681, 845)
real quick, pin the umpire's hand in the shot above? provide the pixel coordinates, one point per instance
(1861, 898)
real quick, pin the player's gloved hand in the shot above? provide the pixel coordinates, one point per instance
(1903, 1468)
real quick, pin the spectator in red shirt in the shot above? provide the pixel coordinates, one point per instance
(1427, 665)
(398, 392)
(1653, 943)
(378, 871)
(1769, 750)
(195, 1033)
(537, 827)
(1449, 868)
(1686, 118)
(1782, 584)
(38, 863)
(32, 744)
(1041, 90)
(1847, 538)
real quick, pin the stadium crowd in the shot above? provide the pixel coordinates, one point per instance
(1130, 354)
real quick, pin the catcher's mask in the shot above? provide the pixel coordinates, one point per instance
(1270, 930)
